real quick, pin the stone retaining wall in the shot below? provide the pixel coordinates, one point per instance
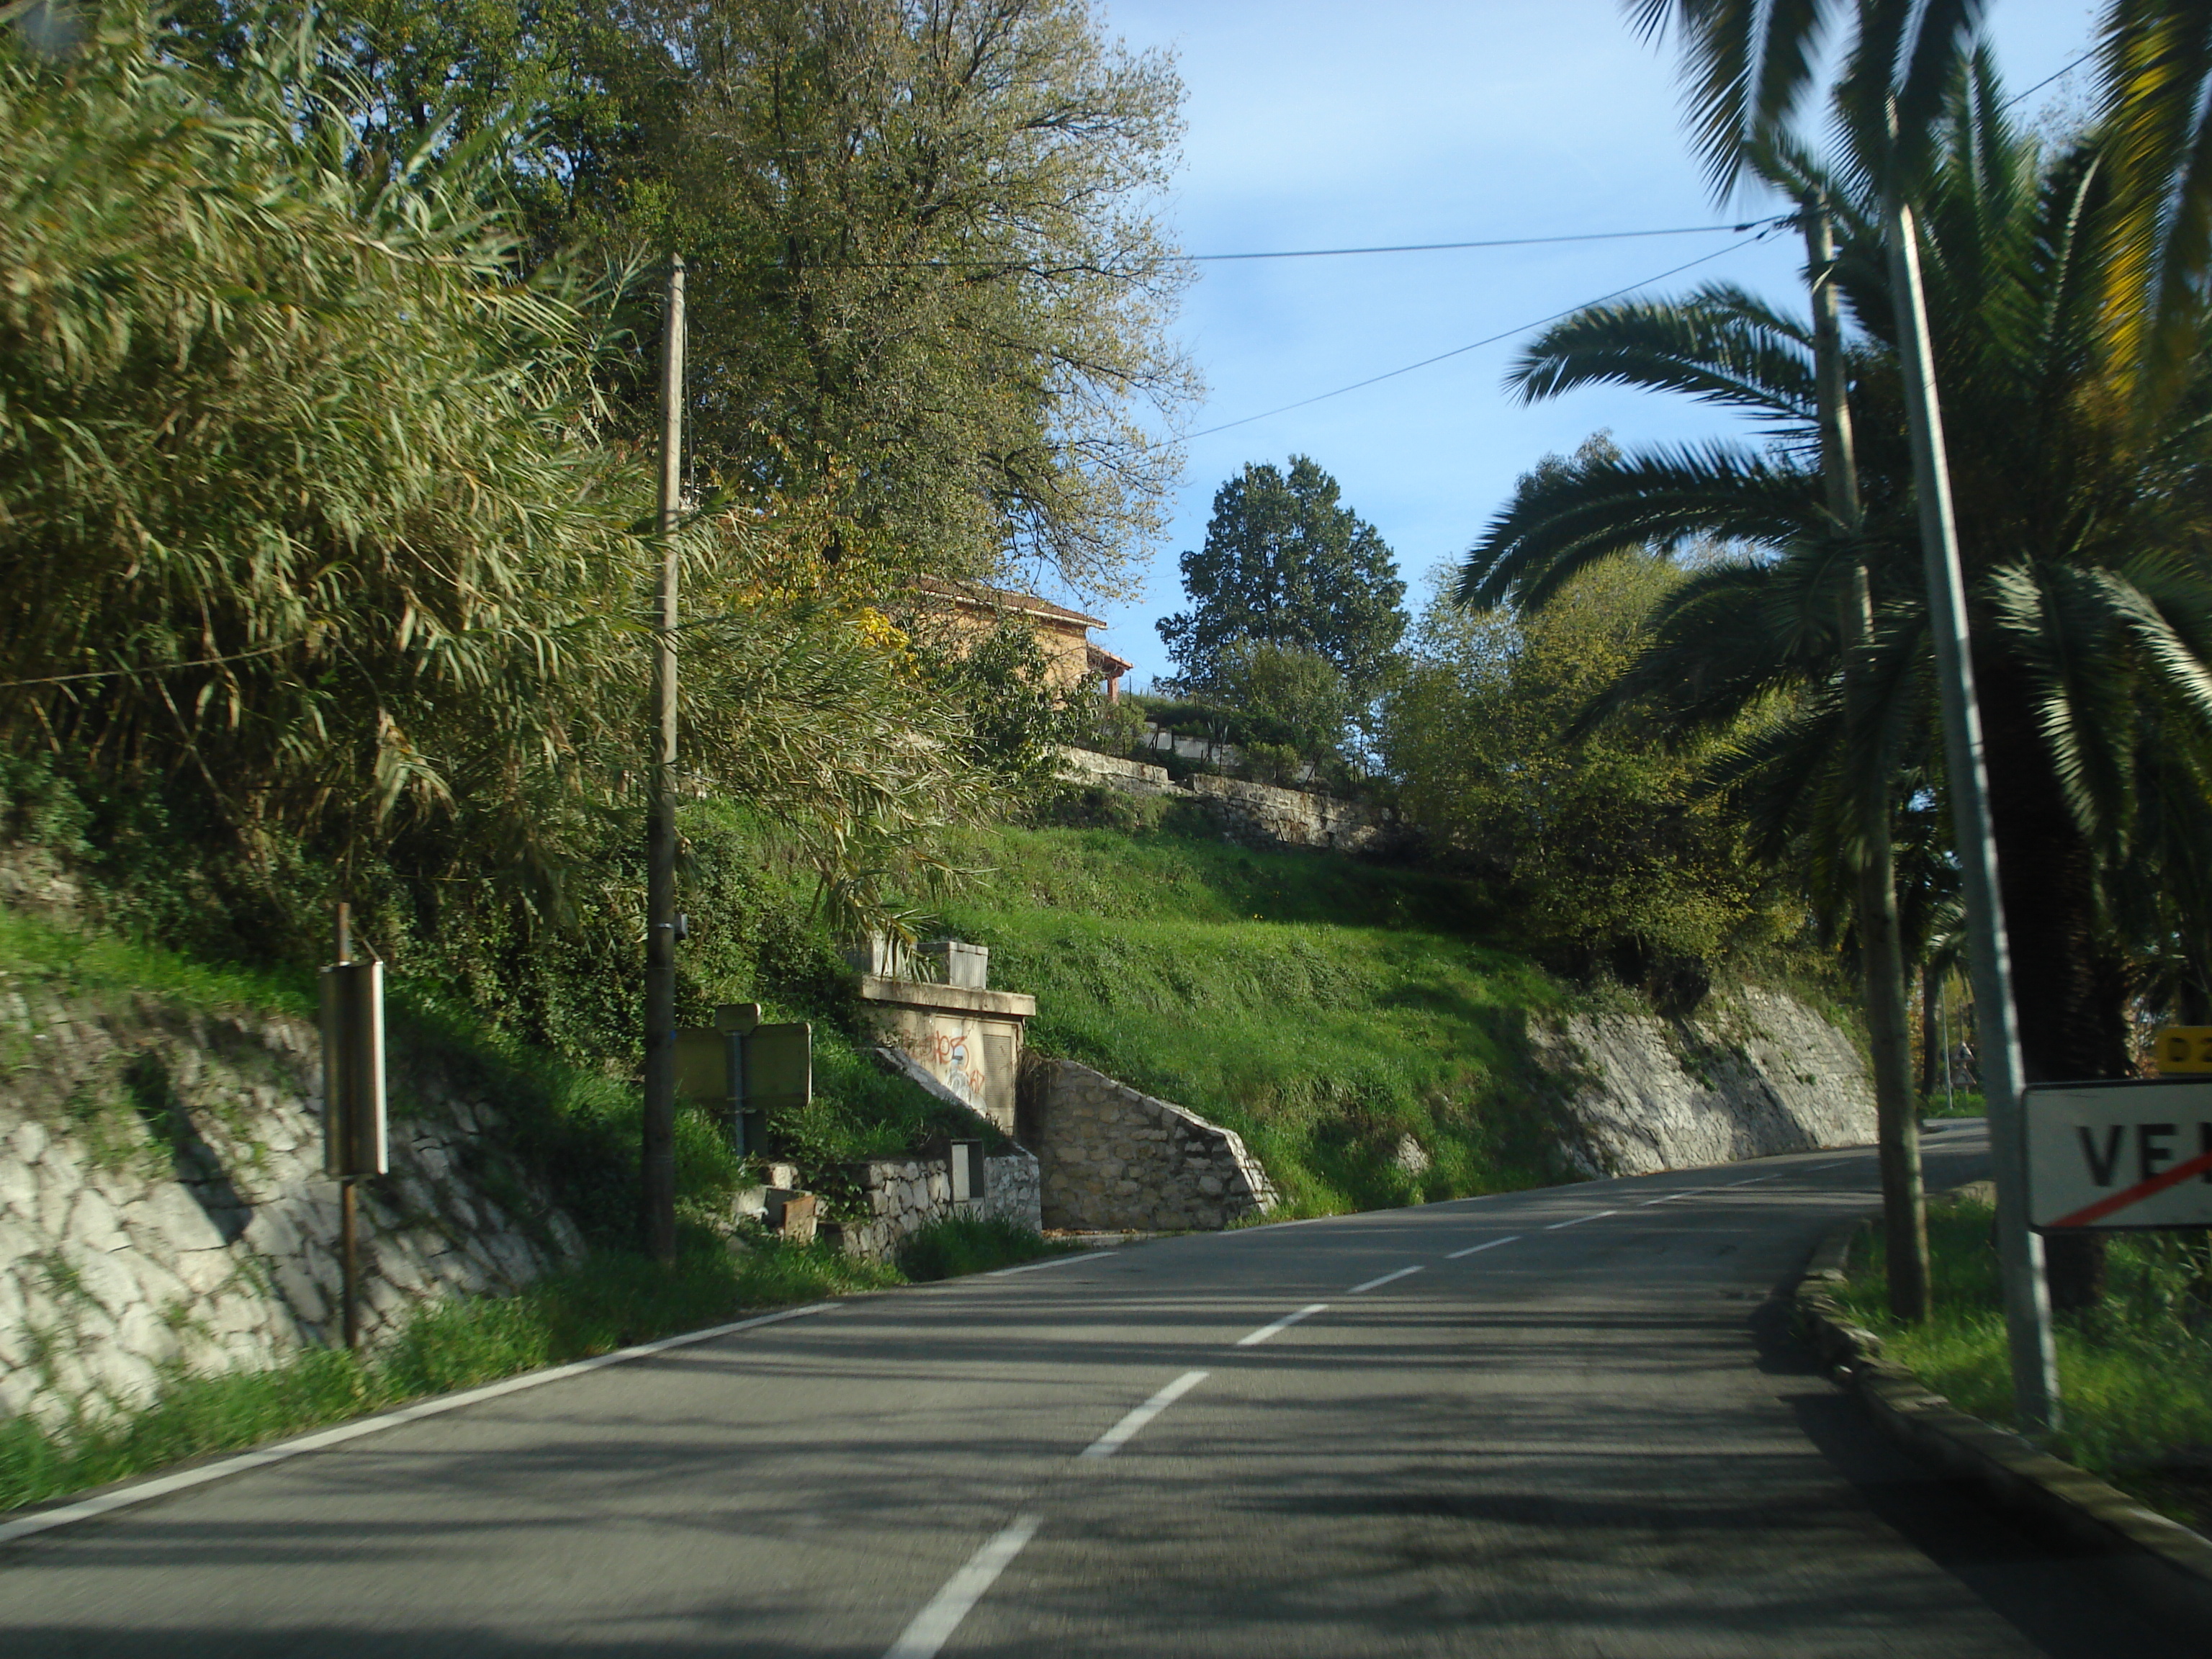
(1246, 812)
(162, 1204)
(906, 1194)
(1114, 1158)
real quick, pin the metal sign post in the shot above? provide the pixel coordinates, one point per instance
(354, 1143)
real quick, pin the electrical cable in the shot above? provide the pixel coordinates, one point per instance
(2054, 75)
(1507, 334)
(1504, 242)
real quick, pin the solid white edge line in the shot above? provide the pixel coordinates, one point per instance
(934, 1626)
(1376, 1284)
(161, 1486)
(1133, 1421)
(1255, 1338)
(1577, 1220)
(1490, 1244)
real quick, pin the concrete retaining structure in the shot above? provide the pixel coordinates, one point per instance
(162, 1204)
(1113, 1158)
(905, 1194)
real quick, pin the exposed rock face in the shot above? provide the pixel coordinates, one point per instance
(906, 1194)
(1113, 1158)
(162, 1203)
(1752, 1074)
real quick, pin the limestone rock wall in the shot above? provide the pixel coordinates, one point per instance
(162, 1204)
(905, 1194)
(1752, 1073)
(1113, 1157)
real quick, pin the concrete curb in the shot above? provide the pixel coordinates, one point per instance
(2161, 1564)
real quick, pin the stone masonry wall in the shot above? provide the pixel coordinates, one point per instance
(1752, 1074)
(906, 1194)
(1246, 812)
(162, 1204)
(1114, 1158)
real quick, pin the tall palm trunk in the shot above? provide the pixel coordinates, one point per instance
(2069, 986)
(1905, 1210)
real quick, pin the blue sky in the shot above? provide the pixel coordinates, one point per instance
(1321, 126)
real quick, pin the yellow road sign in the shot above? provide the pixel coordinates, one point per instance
(2177, 1050)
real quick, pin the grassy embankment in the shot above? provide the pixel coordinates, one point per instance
(578, 1126)
(1323, 1008)
(2134, 1372)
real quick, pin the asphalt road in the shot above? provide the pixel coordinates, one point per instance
(1569, 1422)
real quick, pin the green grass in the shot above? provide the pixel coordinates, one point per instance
(611, 1301)
(1322, 1007)
(1959, 1103)
(961, 1244)
(2134, 1372)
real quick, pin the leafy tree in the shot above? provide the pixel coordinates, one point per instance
(1286, 563)
(1610, 851)
(1290, 700)
(367, 595)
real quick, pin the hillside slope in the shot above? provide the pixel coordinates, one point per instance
(1342, 1016)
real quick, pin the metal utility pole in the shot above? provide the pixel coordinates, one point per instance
(2020, 1252)
(1904, 1202)
(658, 1164)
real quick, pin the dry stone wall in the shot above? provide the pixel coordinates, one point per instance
(1752, 1074)
(905, 1194)
(1114, 1158)
(162, 1206)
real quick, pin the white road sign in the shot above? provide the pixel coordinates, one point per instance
(2136, 1154)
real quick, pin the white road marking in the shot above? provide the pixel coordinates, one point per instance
(1057, 1262)
(1753, 1181)
(934, 1625)
(1668, 1198)
(1131, 1425)
(1375, 1284)
(162, 1485)
(1576, 1221)
(1490, 1245)
(1255, 1339)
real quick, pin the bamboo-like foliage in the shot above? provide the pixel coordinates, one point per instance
(302, 501)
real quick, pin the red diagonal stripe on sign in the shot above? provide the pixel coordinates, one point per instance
(2136, 1193)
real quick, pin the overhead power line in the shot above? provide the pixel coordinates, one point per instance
(2054, 75)
(1504, 334)
(1502, 241)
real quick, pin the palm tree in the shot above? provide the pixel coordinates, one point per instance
(2092, 608)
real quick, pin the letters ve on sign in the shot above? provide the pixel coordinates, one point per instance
(2133, 1154)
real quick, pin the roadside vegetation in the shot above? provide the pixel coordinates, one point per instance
(2134, 1370)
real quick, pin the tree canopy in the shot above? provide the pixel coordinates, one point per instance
(1286, 563)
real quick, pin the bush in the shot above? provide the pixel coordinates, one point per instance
(971, 1244)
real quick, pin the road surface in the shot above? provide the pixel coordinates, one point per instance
(1567, 1422)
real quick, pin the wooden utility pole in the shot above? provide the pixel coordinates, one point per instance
(348, 1204)
(1905, 1211)
(1989, 952)
(658, 1163)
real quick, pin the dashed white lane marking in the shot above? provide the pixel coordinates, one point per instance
(1131, 1425)
(1376, 1284)
(1488, 1244)
(934, 1625)
(1753, 1181)
(1057, 1262)
(162, 1485)
(1576, 1221)
(1668, 1198)
(1256, 1338)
